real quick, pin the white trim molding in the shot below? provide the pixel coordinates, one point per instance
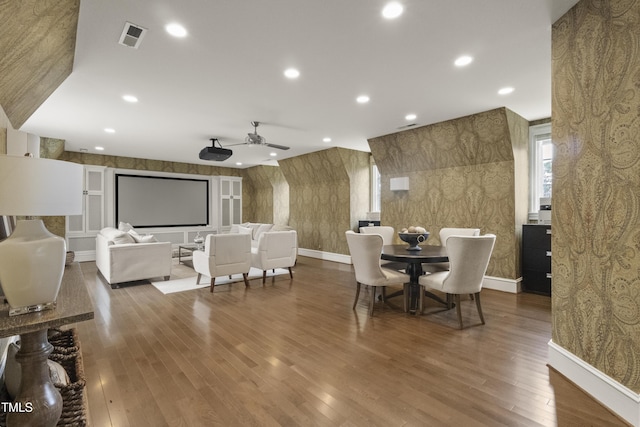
(513, 286)
(619, 399)
(84, 256)
(328, 256)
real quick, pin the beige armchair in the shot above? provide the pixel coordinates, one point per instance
(275, 249)
(365, 252)
(469, 257)
(223, 255)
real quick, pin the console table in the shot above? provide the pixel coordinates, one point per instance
(73, 305)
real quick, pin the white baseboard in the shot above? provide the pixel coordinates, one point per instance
(513, 286)
(329, 256)
(619, 399)
(83, 256)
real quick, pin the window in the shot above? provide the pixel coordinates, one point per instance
(540, 166)
(375, 188)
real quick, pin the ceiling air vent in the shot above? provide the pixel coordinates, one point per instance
(132, 35)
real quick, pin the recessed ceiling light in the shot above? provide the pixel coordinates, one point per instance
(326, 139)
(273, 154)
(238, 163)
(99, 148)
(362, 99)
(410, 117)
(109, 130)
(463, 60)
(392, 10)
(291, 73)
(176, 30)
(505, 90)
(130, 98)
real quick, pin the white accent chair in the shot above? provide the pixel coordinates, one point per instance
(223, 255)
(275, 249)
(365, 252)
(445, 233)
(469, 257)
(387, 233)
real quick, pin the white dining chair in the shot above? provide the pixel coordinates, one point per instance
(365, 250)
(445, 233)
(468, 258)
(387, 232)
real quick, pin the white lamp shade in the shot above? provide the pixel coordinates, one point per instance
(39, 187)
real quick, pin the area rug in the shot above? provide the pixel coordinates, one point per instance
(189, 283)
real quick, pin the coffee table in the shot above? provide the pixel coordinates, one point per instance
(189, 248)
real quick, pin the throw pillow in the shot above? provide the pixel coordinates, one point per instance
(109, 233)
(123, 239)
(142, 239)
(125, 226)
(149, 238)
(244, 230)
(261, 229)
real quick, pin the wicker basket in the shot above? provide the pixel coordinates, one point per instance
(66, 351)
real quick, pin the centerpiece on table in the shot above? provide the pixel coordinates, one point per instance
(413, 236)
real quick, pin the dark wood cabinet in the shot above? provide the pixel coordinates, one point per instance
(536, 258)
(368, 223)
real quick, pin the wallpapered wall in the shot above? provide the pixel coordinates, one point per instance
(37, 45)
(269, 200)
(328, 189)
(461, 174)
(596, 187)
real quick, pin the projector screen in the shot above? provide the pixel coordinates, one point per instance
(154, 201)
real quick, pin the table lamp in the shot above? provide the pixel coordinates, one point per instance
(32, 259)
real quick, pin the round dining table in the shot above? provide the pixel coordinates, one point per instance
(414, 260)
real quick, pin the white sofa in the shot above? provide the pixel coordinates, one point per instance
(120, 259)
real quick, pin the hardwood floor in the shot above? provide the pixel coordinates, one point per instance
(294, 353)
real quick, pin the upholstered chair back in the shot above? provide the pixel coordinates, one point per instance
(469, 257)
(228, 249)
(385, 231)
(276, 249)
(446, 232)
(365, 250)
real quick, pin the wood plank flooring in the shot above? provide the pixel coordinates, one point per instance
(294, 353)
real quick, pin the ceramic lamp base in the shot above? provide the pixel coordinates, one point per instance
(31, 267)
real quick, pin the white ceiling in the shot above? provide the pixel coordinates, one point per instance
(228, 71)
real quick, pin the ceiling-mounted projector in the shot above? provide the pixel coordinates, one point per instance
(217, 154)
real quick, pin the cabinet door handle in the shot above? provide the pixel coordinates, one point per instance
(548, 253)
(548, 275)
(548, 231)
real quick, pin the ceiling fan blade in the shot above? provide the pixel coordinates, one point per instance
(279, 147)
(239, 143)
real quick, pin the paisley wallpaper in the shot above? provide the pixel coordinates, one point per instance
(328, 191)
(461, 174)
(40, 58)
(596, 187)
(269, 195)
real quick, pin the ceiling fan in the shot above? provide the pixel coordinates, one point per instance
(255, 139)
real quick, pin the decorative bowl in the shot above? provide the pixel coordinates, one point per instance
(413, 239)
